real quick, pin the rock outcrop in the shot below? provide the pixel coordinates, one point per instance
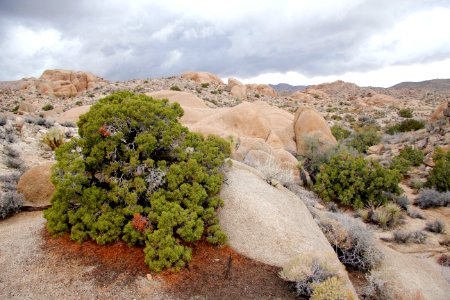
(202, 77)
(441, 112)
(269, 224)
(261, 89)
(35, 185)
(62, 83)
(309, 124)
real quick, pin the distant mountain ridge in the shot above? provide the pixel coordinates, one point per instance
(286, 89)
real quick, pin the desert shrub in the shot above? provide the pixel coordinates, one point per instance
(444, 260)
(339, 132)
(406, 125)
(134, 157)
(431, 198)
(47, 107)
(79, 103)
(439, 177)
(404, 237)
(273, 170)
(380, 285)
(3, 120)
(10, 151)
(14, 163)
(53, 138)
(353, 180)
(364, 138)
(10, 202)
(401, 201)
(400, 164)
(175, 88)
(417, 184)
(415, 156)
(306, 271)
(405, 113)
(68, 124)
(414, 213)
(353, 243)
(386, 216)
(205, 85)
(330, 289)
(436, 226)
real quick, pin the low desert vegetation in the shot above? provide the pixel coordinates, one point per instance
(175, 88)
(439, 177)
(386, 216)
(53, 138)
(406, 125)
(364, 137)
(436, 226)
(47, 107)
(405, 113)
(428, 198)
(354, 181)
(10, 203)
(339, 132)
(404, 237)
(137, 175)
(314, 278)
(3, 120)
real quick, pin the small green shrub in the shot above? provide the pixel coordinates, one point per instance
(205, 85)
(353, 180)
(47, 107)
(439, 177)
(136, 174)
(339, 132)
(405, 113)
(53, 138)
(415, 156)
(406, 125)
(79, 103)
(364, 138)
(175, 88)
(402, 165)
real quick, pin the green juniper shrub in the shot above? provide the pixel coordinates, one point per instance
(405, 113)
(439, 177)
(353, 180)
(364, 137)
(136, 174)
(406, 125)
(402, 165)
(339, 132)
(175, 88)
(415, 156)
(47, 107)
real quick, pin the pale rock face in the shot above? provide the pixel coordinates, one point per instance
(270, 224)
(239, 91)
(62, 83)
(233, 82)
(439, 113)
(375, 149)
(308, 124)
(202, 77)
(73, 114)
(302, 97)
(35, 185)
(26, 108)
(262, 89)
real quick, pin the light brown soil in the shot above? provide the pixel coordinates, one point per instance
(36, 266)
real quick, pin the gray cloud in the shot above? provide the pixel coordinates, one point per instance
(122, 41)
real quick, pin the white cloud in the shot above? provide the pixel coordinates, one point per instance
(383, 77)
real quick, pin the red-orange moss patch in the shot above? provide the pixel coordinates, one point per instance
(215, 273)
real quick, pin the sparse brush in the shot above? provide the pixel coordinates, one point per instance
(8, 186)
(332, 207)
(395, 214)
(10, 151)
(352, 242)
(402, 201)
(175, 88)
(10, 202)
(404, 237)
(432, 198)
(68, 124)
(10, 177)
(436, 226)
(10, 138)
(417, 184)
(53, 138)
(414, 213)
(381, 217)
(14, 163)
(3, 120)
(364, 214)
(47, 107)
(380, 286)
(331, 289)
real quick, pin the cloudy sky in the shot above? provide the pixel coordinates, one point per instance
(369, 42)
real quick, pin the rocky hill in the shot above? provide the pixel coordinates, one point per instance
(266, 187)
